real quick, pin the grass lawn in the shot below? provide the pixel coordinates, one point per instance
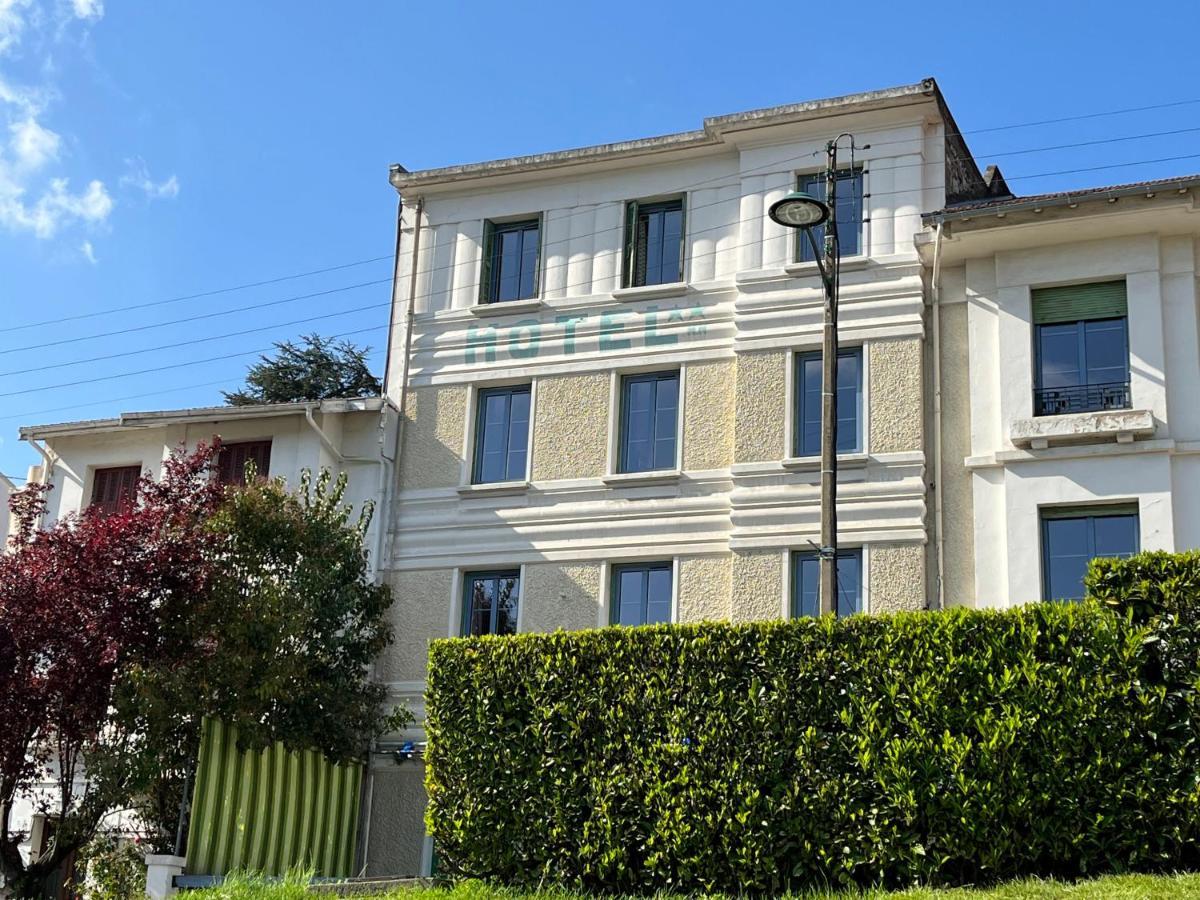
(1118, 887)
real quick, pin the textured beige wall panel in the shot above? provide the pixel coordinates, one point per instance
(705, 584)
(896, 578)
(958, 499)
(433, 437)
(708, 416)
(420, 613)
(397, 820)
(761, 400)
(896, 414)
(570, 431)
(757, 585)
(561, 596)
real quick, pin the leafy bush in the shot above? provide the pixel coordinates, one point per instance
(114, 869)
(951, 747)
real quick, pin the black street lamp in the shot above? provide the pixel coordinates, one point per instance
(801, 211)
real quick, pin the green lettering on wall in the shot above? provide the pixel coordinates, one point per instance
(569, 323)
(525, 339)
(653, 337)
(608, 327)
(484, 337)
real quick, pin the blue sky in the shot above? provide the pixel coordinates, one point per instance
(155, 150)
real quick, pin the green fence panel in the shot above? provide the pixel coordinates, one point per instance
(271, 810)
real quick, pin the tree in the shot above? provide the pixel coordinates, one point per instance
(81, 605)
(286, 632)
(320, 369)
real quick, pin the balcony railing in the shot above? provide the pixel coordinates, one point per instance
(1081, 398)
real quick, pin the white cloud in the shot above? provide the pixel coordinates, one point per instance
(88, 9)
(33, 197)
(138, 176)
(89, 252)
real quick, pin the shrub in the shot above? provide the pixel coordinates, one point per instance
(113, 868)
(950, 747)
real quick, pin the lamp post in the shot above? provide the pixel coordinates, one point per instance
(799, 210)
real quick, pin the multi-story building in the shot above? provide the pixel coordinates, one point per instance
(608, 370)
(609, 365)
(1069, 366)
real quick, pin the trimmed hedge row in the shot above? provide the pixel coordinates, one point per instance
(948, 747)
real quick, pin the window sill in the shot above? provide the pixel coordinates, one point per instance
(651, 291)
(637, 479)
(813, 463)
(847, 264)
(1123, 425)
(493, 489)
(505, 307)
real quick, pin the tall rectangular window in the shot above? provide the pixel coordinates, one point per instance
(641, 594)
(653, 242)
(501, 434)
(114, 488)
(511, 252)
(806, 583)
(1081, 348)
(649, 420)
(233, 458)
(490, 602)
(849, 214)
(807, 413)
(1073, 537)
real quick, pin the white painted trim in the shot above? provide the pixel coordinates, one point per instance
(521, 600)
(654, 291)
(454, 626)
(675, 574)
(506, 307)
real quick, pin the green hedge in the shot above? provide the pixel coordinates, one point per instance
(947, 747)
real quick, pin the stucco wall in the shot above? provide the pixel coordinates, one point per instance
(958, 508)
(570, 433)
(397, 819)
(895, 420)
(561, 596)
(760, 405)
(757, 585)
(433, 437)
(895, 577)
(708, 423)
(420, 612)
(705, 584)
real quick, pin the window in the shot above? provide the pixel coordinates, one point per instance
(501, 434)
(653, 242)
(115, 488)
(511, 251)
(1073, 537)
(808, 377)
(641, 594)
(1081, 349)
(490, 603)
(849, 214)
(232, 460)
(806, 583)
(649, 413)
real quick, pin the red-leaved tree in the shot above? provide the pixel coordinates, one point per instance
(83, 603)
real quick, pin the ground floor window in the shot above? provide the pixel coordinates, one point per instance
(641, 594)
(1073, 536)
(806, 583)
(490, 602)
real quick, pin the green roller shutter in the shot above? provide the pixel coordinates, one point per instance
(485, 272)
(1076, 302)
(629, 262)
(271, 810)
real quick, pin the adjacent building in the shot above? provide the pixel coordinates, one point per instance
(603, 385)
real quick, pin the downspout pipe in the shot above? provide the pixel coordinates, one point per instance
(939, 531)
(394, 460)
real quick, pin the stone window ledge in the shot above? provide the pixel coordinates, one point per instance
(638, 479)
(493, 488)
(505, 307)
(651, 291)
(1123, 425)
(813, 463)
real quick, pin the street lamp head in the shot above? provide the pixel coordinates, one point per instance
(799, 210)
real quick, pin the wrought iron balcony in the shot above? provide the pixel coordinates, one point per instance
(1081, 398)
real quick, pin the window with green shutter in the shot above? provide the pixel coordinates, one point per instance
(1081, 348)
(511, 259)
(654, 242)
